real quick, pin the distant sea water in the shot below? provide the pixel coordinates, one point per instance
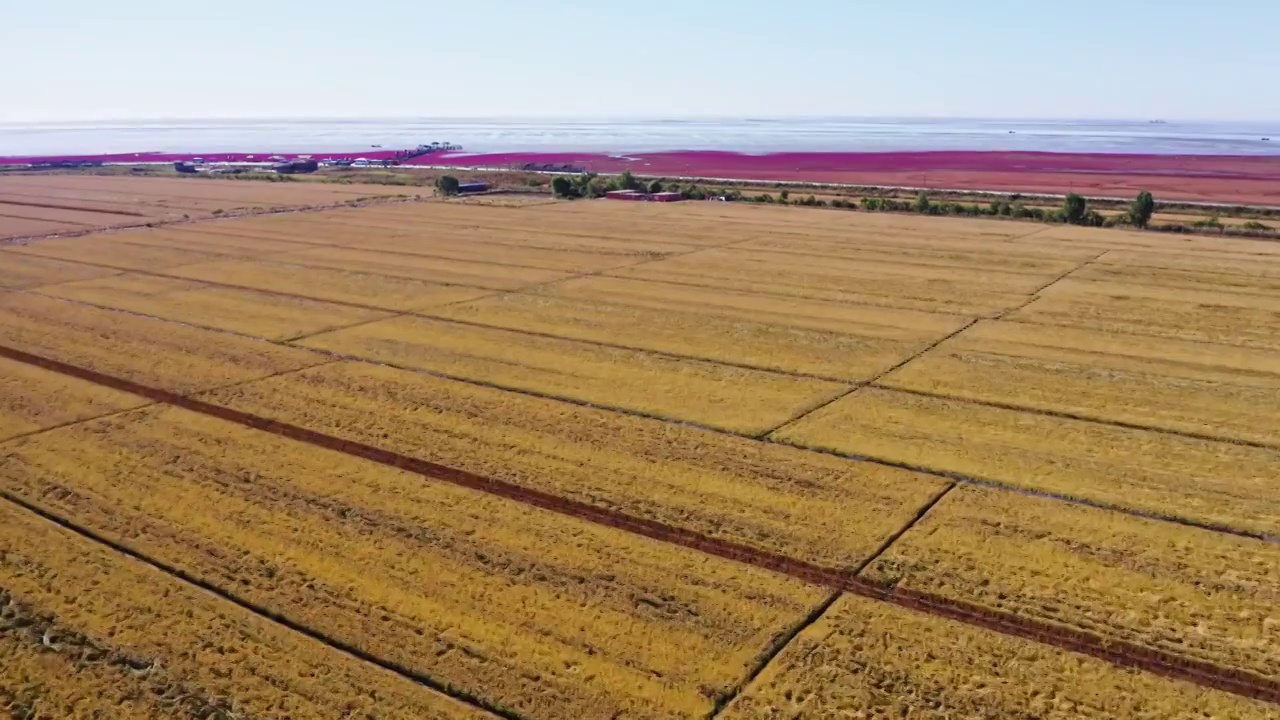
(743, 135)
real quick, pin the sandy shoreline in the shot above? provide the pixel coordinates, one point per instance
(1199, 178)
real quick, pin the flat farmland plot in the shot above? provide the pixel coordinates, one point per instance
(1169, 384)
(869, 659)
(475, 246)
(108, 250)
(1207, 481)
(265, 315)
(438, 270)
(32, 399)
(227, 244)
(1191, 592)
(257, 228)
(344, 286)
(927, 245)
(18, 270)
(739, 341)
(371, 221)
(1227, 318)
(1154, 245)
(871, 321)
(1258, 276)
(535, 611)
(158, 197)
(82, 217)
(133, 642)
(604, 221)
(895, 285)
(980, 255)
(52, 201)
(470, 248)
(153, 352)
(724, 222)
(732, 398)
(15, 227)
(725, 487)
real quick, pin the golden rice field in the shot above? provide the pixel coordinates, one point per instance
(615, 460)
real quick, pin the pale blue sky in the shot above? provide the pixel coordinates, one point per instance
(1139, 59)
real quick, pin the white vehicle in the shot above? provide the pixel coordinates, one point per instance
(360, 162)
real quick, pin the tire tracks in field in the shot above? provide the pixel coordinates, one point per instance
(1116, 652)
(948, 475)
(4, 440)
(784, 640)
(427, 313)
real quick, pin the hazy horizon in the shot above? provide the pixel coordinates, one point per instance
(586, 119)
(75, 60)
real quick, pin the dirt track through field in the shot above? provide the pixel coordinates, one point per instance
(1114, 651)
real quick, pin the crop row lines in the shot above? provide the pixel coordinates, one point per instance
(1035, 294)
(1114, 651)
(24, 624)
(492, 292)
(398, 199)
(765, 292)
(261, 610)
(818, 612)
(905, 260)
(1066, 415)
(1133, 333)
(140, 406)
(897, 366)
(857, 457)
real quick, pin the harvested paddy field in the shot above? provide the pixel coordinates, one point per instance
(596, 460)
(867, 659)
(477, 591)
(1200, 593)
(1191, 478)
(749, 401)
(32, 205)
(1174, 385)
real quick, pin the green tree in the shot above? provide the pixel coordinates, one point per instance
(1074, 209)
(627, 181)
(655, 187)
(784, 195)
(922, 205)
(1143, 207)
(447, 185)
(562, 187)
(596, 187)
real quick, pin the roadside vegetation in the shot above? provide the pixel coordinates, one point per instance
(1075, 208)
(1143, 212)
